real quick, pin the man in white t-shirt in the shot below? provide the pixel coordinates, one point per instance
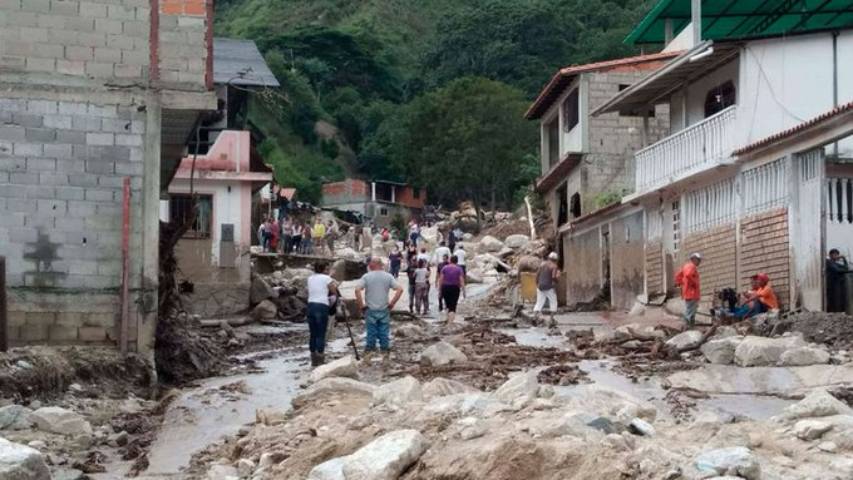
(460, 255)
(320, 287)
(440, 252)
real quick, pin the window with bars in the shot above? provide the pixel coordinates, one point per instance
(676, 225)
(180, 210)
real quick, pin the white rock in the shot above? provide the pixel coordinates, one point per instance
(342, 367)
(642, 427)
(37, 444)
(523, 385)
(329, 470)
(61, 421)
(811, 429)
(15, 417)
(516, 241)
(802, 356)
(762, 351)
(270, 416)
(267, 460)
(222, 472)
(266, 310)
(332, 386)
(725, 331)
(399, 392)
(409, 330)
(828, 447)
(729, 461)
(440, 387)
(20, 462)
(721, 351)
(490, 244)
(819, 403)
(687, 339)
(638, 310)
(386, 457)
(245, 467)
(442, 353)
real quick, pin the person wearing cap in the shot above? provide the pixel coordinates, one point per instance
(546, 282)
(760, 299)
(688, 279)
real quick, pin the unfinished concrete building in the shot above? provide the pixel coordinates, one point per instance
(93, 95)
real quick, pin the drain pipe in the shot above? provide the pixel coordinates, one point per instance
(125, 265)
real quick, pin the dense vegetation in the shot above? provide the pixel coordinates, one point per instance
(430, 92)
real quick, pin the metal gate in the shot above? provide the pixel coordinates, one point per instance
(809, 231)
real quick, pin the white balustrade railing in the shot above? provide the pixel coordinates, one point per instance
(708, 142)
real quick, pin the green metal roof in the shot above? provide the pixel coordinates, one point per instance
(737, 19)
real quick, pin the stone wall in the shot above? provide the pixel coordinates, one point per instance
(627, 260)
(718, 247)
(765, 248)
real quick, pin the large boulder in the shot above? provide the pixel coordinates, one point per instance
(524, 385)
(15, 417)
(342, 367)
(811, 429)
(387, 457)
(20, 462)
(260, 290)
(737, 461)
(329, 470)
(490, 244)
(61, 421)
(442, 353)
(802, 356)
(516, 241)
(528, 263)
(818, 403)
(721, 351)
(763, 351)
(332, 386)
(688, 339)
(399, 392)
(266, 310)
(442, 387)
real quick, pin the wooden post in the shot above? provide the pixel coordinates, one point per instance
(4, 317)
(125, 267)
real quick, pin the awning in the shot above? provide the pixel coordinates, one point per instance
(741, 19)
(657, 87)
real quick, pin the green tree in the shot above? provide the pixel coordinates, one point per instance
(467, 140)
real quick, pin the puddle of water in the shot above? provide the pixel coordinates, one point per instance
(535, 337)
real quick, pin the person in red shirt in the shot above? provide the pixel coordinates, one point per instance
(688, 279)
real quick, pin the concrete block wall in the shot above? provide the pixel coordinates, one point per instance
(62, 165)
(347, 191)
(185, 46)
(93, 38)
(765, 248)
(718, 247)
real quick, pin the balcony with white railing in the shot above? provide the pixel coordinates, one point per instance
(700, 146)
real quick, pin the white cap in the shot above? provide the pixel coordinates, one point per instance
(696, 255)
(553, 256)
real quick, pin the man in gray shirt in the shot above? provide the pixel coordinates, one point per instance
(374, 287)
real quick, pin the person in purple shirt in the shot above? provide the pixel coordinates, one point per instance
(451, 282)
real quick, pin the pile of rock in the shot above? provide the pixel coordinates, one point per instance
(789, 350)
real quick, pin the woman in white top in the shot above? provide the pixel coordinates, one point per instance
(320, 287)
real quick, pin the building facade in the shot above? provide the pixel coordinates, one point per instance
(378, 201)
(93, 95)
(755, 172)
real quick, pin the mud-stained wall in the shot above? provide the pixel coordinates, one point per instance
(627, 257)
(719, 264)
(583, 266)
(764, 247)
(654, 268)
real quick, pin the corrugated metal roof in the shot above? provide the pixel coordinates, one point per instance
(565, 75)
(814, 122)
(741, 19)
(239, 62)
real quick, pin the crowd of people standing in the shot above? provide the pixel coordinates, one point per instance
(291, 235)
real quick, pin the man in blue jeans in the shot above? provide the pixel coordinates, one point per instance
(371, 293)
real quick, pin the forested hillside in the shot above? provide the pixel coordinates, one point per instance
(425, 91)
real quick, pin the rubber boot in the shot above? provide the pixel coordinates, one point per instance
(386, 358)
(313, 359)
(321, 359)
(368, 355)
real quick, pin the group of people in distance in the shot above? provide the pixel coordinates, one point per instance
(290, 235)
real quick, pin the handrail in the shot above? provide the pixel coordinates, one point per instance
(687, 130)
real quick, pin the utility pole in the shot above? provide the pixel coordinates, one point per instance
(696, 18)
